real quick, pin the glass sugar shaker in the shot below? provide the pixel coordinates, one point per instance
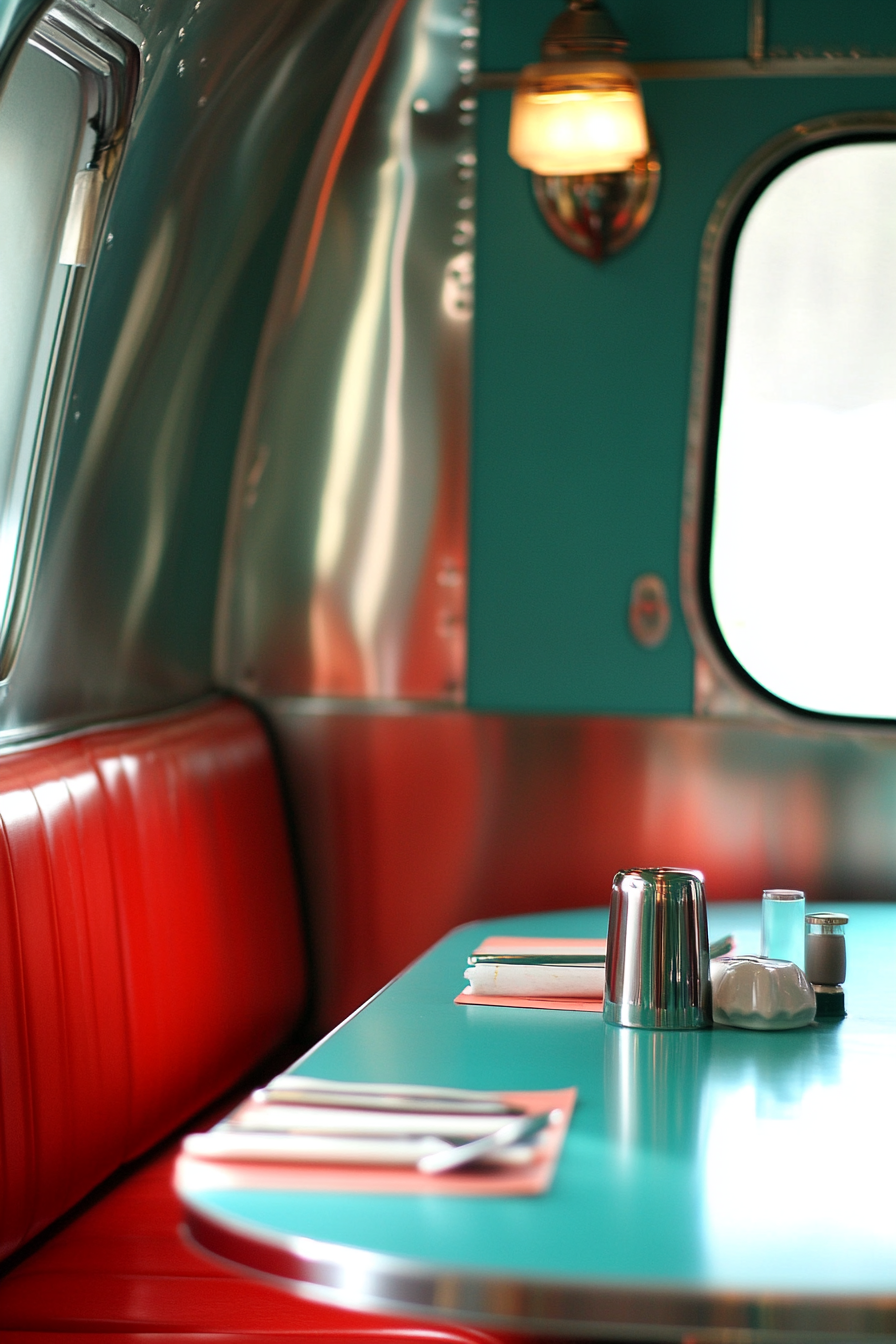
(782, 935)
(826, 961)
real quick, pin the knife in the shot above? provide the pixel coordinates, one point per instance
(225, 1145)
(298, 1090)
(516, 1131)
(360, 1123)
(536, 959)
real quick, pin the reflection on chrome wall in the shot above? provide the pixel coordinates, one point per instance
(229, 107)
(410, 823)
(345, 566)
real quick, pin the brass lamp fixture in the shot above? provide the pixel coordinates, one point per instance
(577, 122)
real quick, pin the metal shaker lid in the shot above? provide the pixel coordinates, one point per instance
(652, 874)
(827, 919)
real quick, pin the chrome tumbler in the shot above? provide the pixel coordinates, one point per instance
(658, 951)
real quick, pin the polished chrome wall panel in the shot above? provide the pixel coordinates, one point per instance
(345, 563)
(231, 103)
(412, 822)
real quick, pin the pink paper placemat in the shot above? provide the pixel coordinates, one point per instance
(537, 946)
(193, 1174)
(566, 1005)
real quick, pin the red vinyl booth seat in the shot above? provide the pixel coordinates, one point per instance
(122, 1268)
(150, 955)
(150, 949)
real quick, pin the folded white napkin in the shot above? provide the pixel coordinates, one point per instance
(510, 981)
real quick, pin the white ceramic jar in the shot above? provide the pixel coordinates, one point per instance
(762, 994)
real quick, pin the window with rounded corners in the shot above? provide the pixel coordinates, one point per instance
(798, 554)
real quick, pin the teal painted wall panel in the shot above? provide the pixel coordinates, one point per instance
(657, 30)
(699, 29)
(581, 385)
(576, 462)
(816, 27)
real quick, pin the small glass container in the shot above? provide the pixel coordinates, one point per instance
(783, 925)
(826, 948)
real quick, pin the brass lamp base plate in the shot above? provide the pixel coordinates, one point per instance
(598, 214)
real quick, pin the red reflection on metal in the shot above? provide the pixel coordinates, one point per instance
(435, 653)
(342, 140)
(411, 824)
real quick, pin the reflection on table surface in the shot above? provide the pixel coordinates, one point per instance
(713, 1161)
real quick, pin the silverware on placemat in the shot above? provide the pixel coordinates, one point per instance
(506, 1145)
(315, 1120)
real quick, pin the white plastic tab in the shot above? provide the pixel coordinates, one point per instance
(80, 223)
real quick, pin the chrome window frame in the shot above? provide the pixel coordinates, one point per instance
(723, 688)
(107, 64)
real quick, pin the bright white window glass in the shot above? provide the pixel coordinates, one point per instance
(803, 552)
(40, 137)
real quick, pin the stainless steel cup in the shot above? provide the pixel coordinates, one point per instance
(658, 951)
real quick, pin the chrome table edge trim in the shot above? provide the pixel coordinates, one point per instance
(357, 1279)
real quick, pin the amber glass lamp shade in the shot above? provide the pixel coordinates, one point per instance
(571, 118)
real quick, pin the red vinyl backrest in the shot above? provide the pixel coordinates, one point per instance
(150, 945)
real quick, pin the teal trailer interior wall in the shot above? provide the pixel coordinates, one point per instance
(582, 372)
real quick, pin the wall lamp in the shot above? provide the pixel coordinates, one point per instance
(577, 122)
(584, 92)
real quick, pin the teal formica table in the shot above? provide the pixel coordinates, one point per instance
(721, 1184)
